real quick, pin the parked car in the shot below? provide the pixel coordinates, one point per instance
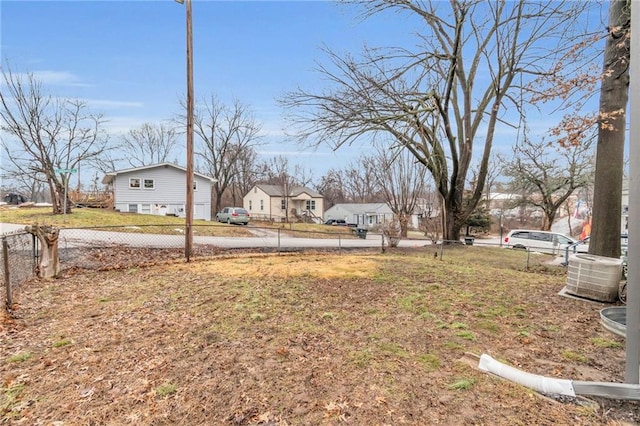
(546, 241)
(340, 222)
(233, 215)
(582, 246)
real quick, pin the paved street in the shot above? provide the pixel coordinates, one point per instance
(262, 238)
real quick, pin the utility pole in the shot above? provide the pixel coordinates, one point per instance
(188, 242)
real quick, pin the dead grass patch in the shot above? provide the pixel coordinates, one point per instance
(304, 339)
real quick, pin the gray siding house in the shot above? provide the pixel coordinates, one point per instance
(364, 215)
(159, 189)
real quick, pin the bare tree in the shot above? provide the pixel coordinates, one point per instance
(332, 188)
(276, 172)
(546, 174)
(361, 184)
(244, 176)
(226, 136)
(614, 93)
(49, 136)
(449, 95)
(401, 180)
(31, 186)
(430, 220)
(149, 144)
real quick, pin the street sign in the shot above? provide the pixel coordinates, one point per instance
(65, 170)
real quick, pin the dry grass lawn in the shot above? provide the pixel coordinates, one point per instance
(305, 339)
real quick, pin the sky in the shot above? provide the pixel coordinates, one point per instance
(126, 59)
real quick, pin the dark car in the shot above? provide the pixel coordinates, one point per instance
(336, 222)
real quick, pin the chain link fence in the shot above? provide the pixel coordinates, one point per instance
(111, 247)
(118, 247)
(20, 251)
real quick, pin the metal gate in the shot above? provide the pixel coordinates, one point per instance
(20, 253)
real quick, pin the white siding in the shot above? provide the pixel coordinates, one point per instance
(263, 206)
(259, 201)
(168, 195)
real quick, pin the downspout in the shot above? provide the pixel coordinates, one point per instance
(555, 386)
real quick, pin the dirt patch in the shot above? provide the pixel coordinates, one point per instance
(311, 338)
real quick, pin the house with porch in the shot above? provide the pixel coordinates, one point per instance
(281, 204)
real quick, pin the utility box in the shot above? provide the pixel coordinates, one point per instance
(594, 277)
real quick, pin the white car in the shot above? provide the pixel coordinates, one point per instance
(582, 246)
(544, 241)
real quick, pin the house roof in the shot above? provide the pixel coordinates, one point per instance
(294, 191)
(503, 196)
(109, 177)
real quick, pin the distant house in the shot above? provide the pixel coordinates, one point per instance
(272, 202)
(159, 189)
(364, 215)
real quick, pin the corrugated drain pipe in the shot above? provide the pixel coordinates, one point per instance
(550, 385)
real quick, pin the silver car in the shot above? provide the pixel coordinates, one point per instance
(233, 215)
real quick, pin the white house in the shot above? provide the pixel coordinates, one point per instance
(269, 202)
(362, 214)
(159, 189)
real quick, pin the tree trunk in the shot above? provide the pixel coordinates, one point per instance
(59, 198)
(456, 215)
(403, 218)
(614, 93)
(548, 219)
(49, 264)
(453, 223)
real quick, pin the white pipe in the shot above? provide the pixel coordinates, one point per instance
(541, 384)
(553, 386)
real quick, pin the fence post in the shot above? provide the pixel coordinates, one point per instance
(278, 240)
(7, 277)
(35, 252)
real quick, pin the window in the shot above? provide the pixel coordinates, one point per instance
(283, 204)
(148, 184)
(539, 236)
(134, 183)
(250, 206)
(261, 205)
(133, 208)
(311, 204)
(145, 209)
